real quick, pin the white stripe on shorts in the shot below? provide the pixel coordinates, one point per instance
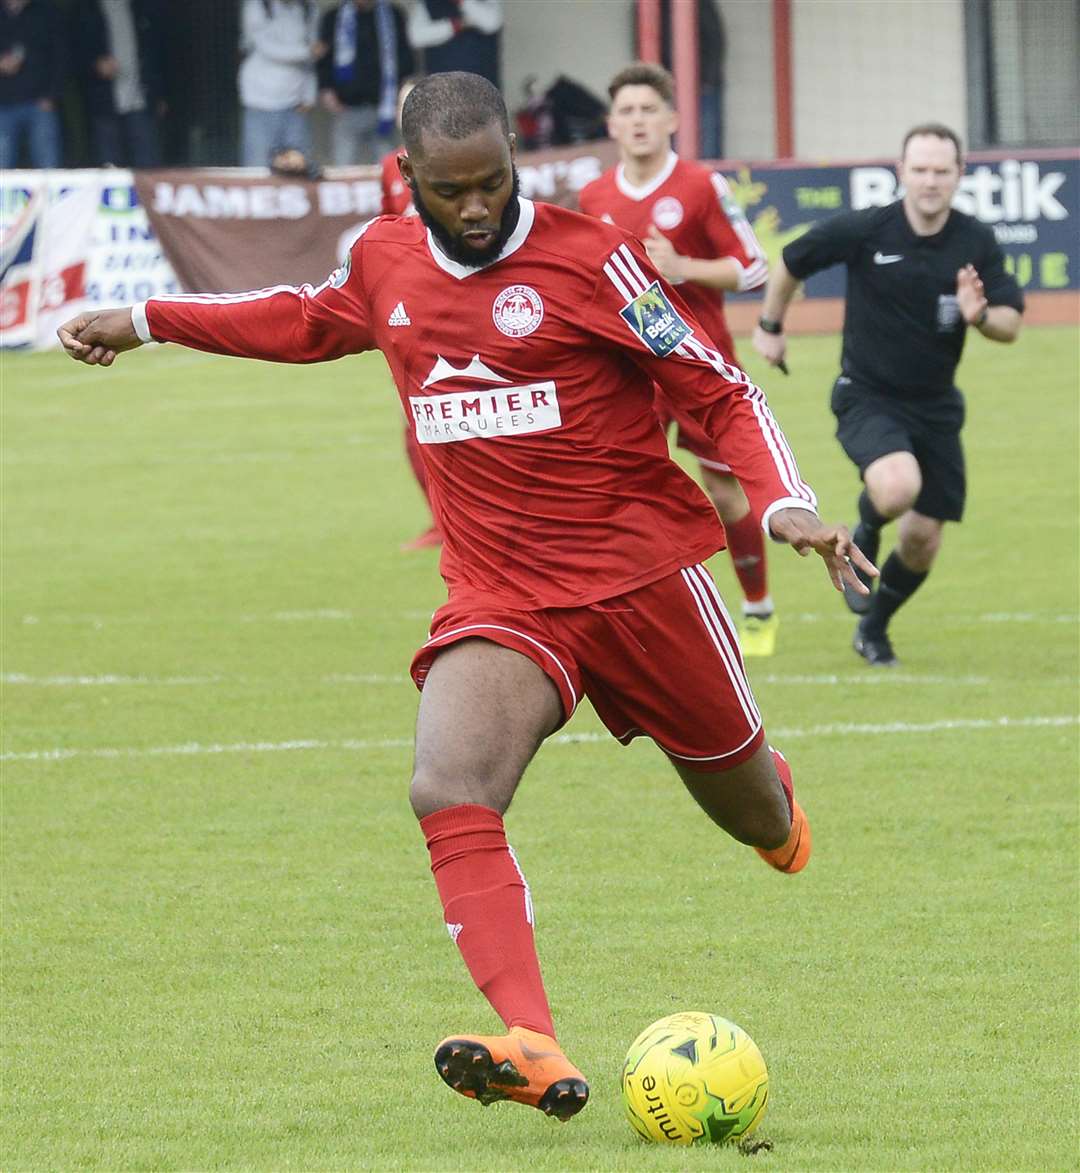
(718, 624)
(435, 640)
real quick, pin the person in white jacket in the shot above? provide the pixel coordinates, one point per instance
(279, 45)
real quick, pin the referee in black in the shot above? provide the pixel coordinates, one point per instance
(919, 273)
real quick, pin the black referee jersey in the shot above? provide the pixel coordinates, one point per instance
(903, 330)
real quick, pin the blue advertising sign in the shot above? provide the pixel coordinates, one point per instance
(1030, 198)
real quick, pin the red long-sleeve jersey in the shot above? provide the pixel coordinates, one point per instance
(693, 207)
(529, 383)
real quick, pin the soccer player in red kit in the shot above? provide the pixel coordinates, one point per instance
(573, 544)
(697, 236)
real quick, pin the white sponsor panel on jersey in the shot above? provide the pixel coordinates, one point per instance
(483, 413)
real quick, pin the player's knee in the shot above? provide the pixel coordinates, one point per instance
(897, 495)
(728, 498)
(432, 789)
(430, 792)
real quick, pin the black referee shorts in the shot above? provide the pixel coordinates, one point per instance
(870, 425)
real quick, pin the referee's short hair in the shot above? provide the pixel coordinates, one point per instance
(644, 73)
(453, 105)
(934, 130)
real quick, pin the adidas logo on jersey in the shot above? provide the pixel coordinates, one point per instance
(398, 316)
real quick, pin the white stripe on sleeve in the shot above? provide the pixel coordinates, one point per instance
(139, 322)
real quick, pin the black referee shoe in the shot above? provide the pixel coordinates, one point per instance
(874, 647)
(859, 604)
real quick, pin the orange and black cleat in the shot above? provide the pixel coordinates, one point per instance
(524, 1066)
(793, 855)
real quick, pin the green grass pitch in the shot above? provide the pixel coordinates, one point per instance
(222, 945)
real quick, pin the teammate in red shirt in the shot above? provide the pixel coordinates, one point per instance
(699, 239)
(573, 544)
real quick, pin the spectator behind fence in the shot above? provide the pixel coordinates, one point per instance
(367, 55)
(32, 73)
(120, 57)
(458, 35)
(277, 77)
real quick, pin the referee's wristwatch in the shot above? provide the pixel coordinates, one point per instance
(980, 321)
(771, 325)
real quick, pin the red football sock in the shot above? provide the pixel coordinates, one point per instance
(746, 545)
(488, 911)
(784, 771)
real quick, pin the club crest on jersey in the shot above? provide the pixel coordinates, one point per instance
(656, 321)
(518, 310)
(667, 213)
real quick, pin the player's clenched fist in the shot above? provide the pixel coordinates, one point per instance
(97, 338)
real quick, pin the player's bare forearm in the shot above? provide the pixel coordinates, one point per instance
(806, 533)
(724, 273)
(96, 338)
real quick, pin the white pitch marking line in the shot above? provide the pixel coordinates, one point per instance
(337, 615)
(192, 749)
(867, 678)
(108, 679)
(377, 678)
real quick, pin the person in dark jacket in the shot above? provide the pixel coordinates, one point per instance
(367, 57)
(32, 74)
(121, 61)
(458, 35)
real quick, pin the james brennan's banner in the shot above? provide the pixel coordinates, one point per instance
(226, 231)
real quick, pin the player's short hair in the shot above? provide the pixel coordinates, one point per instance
(645, 73)
(935, 130)
(451, 105)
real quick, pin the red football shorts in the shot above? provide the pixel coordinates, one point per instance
(661, 662)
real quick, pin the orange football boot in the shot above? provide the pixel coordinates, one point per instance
(524, 1066)
(794, 855)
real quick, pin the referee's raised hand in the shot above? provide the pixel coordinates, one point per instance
(805, 532)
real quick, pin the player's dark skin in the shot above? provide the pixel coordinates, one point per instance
(485, 710)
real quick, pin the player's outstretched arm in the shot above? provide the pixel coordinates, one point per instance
(97, 338)
(805, 532)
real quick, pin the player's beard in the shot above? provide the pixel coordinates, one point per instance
(454, 247)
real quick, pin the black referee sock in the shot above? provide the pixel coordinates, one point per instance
(868, 515)
(896, 585)
(868, 533)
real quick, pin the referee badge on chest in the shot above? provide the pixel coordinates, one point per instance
(948, 313)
